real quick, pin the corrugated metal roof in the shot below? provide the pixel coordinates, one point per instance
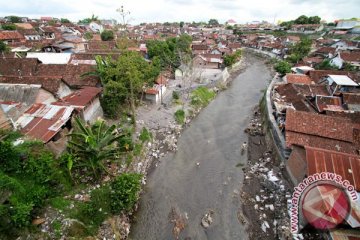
(345, 165)
(342, 80)
(42, 121)
(80, 98)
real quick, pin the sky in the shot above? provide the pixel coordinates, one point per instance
(242, 11)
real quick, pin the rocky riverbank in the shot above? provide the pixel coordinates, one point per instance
(159, 120)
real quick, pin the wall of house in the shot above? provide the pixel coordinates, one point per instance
(93, 111)
(337, 62)
(64, 90)
(44, 97)
(152, 97)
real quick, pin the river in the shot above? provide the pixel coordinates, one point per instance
(213, 140)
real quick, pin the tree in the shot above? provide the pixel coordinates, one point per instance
(182, 24)
(124, 18)
(3, 47)
(283, 67)
(14, 19)
(94, 144)
(8, 27)
(314, 20)
(213, 22)
(88, 35)
(302, 20)
(64, 20)
(300, 50)
(123, 80)
(107, 35)
(326, 65)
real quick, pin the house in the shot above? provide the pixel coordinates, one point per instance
(85, 101)
(344, 45)
(211, 61)
(321, 131)
(5, 123)
(100, 46)
(96, 27)
(306, 28)
(325, 52)
(50, 57)
(199, 49)
(155, 94)
(230, 22)
(11, 37)
(297, 78)
(341, 83)
(346, 25)
(30, 34)
(51, 87)
(353, 58)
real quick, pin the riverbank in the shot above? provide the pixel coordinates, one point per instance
(159, 120)
(202, 176)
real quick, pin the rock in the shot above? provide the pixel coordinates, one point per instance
(38, 221)
(207, 220)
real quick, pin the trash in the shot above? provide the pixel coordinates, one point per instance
(207, 220)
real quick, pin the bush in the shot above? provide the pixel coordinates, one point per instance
(88, 35)
(175, 95)
(107, 35)
(201, 97)
(145, 135)
(283, 67)
(180, 116)
(125, 192)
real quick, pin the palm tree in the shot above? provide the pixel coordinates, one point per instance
(94, 144)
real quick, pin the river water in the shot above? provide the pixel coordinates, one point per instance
(213, 140)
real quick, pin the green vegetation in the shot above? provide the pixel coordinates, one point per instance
(107, 35)
(14, 19)
(125, 192)
(93, 18)
(169, 53)
(94, 144)
(231, 59)
(9, 27)
(29, 175)
(123, 81)
(282, 67)
(145, 135)
(300, 50)
(201, 97)
(213, 22)
(88, 36)
(180, 116)
(64, 20)
(326, 65)
(301, 20)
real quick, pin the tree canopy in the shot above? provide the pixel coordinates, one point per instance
(301, 20)
(107, 35)
(213, 22)
(3, 47)
(168, 52)
(8, 27)
(64, 20)
(300, 50)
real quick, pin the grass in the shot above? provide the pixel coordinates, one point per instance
(201, 97)
(60, 203)
(180, 116)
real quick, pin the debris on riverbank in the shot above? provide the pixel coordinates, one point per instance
(207, 219)
(265, 188)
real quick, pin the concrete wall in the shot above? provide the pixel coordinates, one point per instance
(93, 112)
(44, 97)
(64, 90)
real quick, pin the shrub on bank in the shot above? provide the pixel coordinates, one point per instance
(180, 116)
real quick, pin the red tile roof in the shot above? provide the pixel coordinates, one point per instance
(351, 98)
(345, 165)
(319, 125)
(199, 47)
(327, 103)
(8, 35)
(298, 78)
(350, 56)
(317, 75)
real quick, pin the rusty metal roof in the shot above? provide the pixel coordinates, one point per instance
(42, 121)
(80, 98)
(345, 165)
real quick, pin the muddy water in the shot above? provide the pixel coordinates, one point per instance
(213, 140)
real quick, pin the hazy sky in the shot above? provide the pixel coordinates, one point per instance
(184, 10)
